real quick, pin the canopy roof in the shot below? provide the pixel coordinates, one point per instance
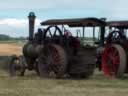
(118, 24)
(78, 22)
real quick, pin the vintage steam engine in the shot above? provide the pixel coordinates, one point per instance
(115, 54)
(50, 51)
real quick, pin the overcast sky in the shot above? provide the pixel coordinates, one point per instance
(13, 13)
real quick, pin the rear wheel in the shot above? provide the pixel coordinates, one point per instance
(83, 64)
(52, 59)
(114, 61)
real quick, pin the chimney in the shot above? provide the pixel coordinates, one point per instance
(31, 18)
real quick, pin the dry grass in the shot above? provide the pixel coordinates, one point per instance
(32, 85)
(9, 49)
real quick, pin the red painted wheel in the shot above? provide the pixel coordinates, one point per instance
(113, 61)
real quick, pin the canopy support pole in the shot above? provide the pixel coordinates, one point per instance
(62, 28)
(102, 33)
(93, 33)
(83, 32)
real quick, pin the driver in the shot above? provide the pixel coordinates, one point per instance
(67, 33)
(39, 35)
(74, 42)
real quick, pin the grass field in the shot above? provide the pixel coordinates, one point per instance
(32, 85)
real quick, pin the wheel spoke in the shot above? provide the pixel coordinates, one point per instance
(50, 33)
(52, 30)
(55, 57)
(112, 60)
(54, 34)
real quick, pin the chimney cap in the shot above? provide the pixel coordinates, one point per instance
(32, 14)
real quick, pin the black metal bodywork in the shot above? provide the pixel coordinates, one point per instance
(78, 57)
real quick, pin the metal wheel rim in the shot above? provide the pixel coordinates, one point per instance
(55, 67)
(114, 66)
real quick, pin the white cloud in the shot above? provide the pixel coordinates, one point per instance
(13, 22)
(17, 22)
(16, 27)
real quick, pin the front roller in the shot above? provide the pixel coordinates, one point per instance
(52, 59)
(17, 66)
(114, 61)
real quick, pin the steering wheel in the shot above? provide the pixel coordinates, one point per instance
(50, 34)
(115, 36)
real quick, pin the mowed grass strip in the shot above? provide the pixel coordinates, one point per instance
(32, 85)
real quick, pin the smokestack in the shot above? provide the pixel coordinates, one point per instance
(31, 18)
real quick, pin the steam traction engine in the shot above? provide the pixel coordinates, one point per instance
(115, 54)
(51, 51)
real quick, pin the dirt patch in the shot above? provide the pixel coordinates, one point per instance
(10, 49)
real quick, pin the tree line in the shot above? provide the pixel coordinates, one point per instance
(4, 37)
